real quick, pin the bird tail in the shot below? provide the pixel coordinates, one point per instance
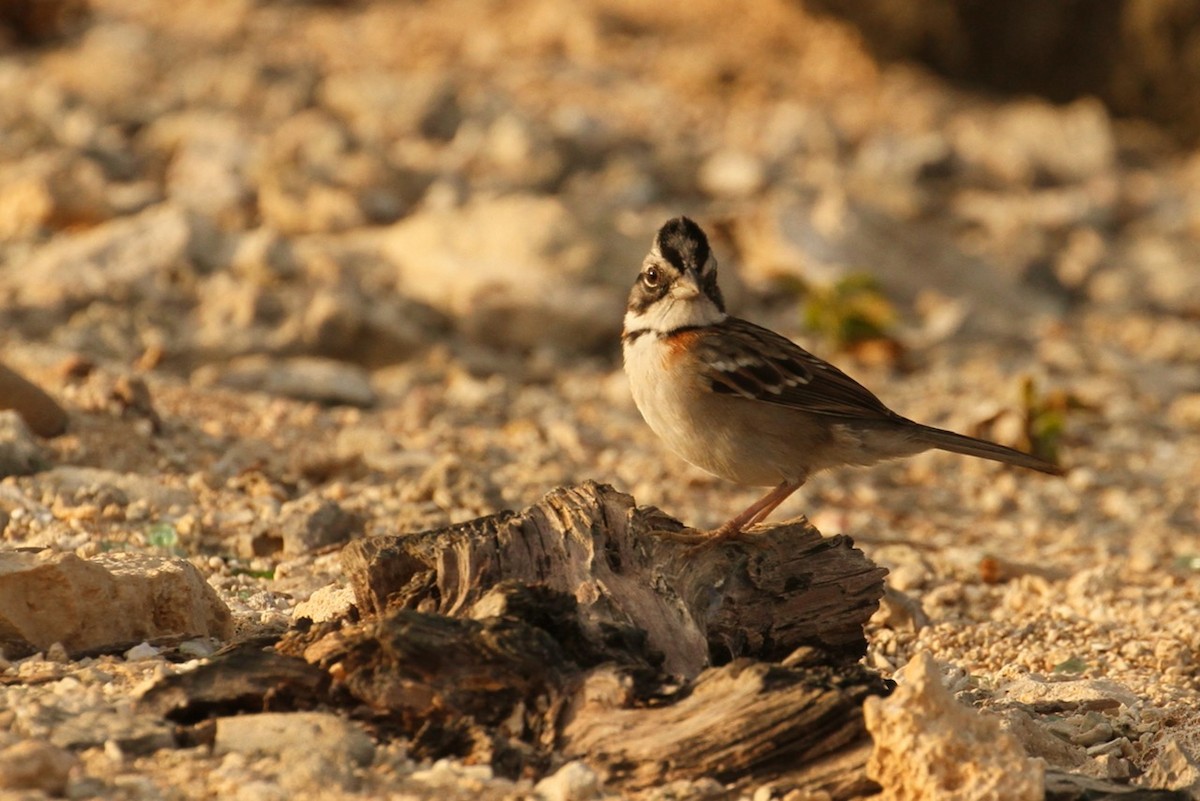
(960, 443)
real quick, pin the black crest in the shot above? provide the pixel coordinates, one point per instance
(682, 243)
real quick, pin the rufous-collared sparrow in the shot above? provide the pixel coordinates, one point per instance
(747, 404)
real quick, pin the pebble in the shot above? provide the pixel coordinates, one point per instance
(574, 781)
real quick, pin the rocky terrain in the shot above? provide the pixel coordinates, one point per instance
(300, 273)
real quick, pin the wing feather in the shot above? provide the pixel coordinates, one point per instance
(741, 358)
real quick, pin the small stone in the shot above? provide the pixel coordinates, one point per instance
(36, 765)
(328, 603)
(280, 733)
(130, 733)
(200, 648)
(122, 257)
(137, 494)
(311, 522)
(142, 651)
(574, 781)
(511, 270)
(211, 155)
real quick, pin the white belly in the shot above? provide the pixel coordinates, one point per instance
(714, 432)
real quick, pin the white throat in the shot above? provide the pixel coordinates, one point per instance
(669, 313)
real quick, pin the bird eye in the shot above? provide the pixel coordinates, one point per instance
(651, 277)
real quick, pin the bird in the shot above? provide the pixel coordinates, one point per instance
(747, 404)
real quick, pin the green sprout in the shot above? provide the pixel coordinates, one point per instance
(1046, 418)
(852, 311)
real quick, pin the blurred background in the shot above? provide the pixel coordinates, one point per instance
(203, 181)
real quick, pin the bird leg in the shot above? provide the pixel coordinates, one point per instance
(732, 529)
(754, 513)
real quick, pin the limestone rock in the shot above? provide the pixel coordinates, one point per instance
(1174, 769)
(75, 484)
(927, 745)
(328, 603)
(731, 174)
(134, 734)
(109, 600)
(1056, 696)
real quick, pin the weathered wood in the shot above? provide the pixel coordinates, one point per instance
(576, 629)
(245, 678)
(519, 684)
(743, 723)
(783, 588)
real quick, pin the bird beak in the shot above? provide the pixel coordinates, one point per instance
(686, 287)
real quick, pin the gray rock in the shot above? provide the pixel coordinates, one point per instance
(389, 106)
(311, 522)
(1020, 141)
(20, 453)
(1056, 696)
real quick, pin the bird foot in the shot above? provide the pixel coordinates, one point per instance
(702, 540)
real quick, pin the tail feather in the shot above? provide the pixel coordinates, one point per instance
(960, 443)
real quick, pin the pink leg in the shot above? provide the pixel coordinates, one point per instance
(755, 513)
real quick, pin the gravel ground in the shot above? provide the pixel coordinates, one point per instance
(370, 254)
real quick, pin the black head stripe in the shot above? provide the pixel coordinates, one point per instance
(682, 244)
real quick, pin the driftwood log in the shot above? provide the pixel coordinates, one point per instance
(577, 629)
(783, 588)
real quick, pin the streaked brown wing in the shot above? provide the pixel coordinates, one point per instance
(744, 359)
